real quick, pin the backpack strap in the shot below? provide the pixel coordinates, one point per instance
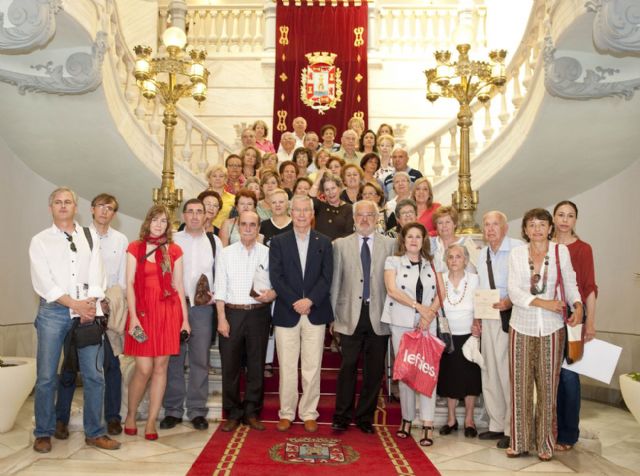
(87, 234)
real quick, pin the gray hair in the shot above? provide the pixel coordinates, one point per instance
(502, 216)
(298, 198)
(359, 203)
(58, 190)
(403, 203)
(287, 135)
(464, 249)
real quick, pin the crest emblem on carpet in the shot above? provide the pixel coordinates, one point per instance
(313, 450)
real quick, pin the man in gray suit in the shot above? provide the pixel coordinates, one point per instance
(357, 297)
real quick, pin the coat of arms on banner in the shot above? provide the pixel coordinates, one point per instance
(321, 82)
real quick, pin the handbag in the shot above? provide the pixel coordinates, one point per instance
(574, 336)
(417, 361)
(89, 333)
(442, 323)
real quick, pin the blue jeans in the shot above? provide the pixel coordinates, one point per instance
(568, 407)
(112, 388)
(52, 325)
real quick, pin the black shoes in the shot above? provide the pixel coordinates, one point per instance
(470, 432)
(114, 427)
(447, 429)
(339, 425)
(169, 422)
(365, 427)
(200, 423)
(491, 435)
(504, 443)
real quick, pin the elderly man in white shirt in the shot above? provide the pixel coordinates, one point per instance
(113, 247)
(68, 275)
(287, 146)
(493, 271)
(199, 259)
(243, 293)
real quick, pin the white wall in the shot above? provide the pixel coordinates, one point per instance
(24, 196)
(609, 220)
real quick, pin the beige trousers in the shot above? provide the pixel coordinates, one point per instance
(304, 342)
(496, 388)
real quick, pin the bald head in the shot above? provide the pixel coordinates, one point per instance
(494, 228)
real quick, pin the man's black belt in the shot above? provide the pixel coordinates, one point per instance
(246, 307)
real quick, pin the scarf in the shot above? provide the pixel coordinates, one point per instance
(163, 268)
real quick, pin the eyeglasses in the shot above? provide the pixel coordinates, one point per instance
(104, 206)
(72, 245)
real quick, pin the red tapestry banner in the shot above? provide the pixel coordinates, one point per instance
(321, 65)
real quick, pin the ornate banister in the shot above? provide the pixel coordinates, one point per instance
(427, 152)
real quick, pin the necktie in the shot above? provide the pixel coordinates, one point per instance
(365, 257)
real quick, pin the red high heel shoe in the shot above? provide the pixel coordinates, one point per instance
(151, 436)
(130, 431)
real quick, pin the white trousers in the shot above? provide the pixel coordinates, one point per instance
(407, 394)
(304, 342)
(495, 376)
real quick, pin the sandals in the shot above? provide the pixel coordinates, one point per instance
(563, 447)
(426, 441)
(405, 430)
(513, 454)
(545, 456)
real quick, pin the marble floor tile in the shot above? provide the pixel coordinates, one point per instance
(552, 466)
(496, 457)
(92, 454)
(139, 449)
(16, 438)
(6, 451)
(192, 439)
(460, 464)
(105, 468)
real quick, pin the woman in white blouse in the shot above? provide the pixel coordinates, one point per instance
(411, 302)
(459, 379)
(536, 336)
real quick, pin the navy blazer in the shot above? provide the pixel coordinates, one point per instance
(285, 272)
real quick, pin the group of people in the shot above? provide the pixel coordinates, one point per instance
(295, 243)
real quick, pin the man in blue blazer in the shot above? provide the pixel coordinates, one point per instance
(301, 268)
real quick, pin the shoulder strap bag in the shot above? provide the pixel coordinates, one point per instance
(574, 336)
(443, 332)
(505, 316)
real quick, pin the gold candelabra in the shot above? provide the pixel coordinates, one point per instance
(465, 80)
(173, 77)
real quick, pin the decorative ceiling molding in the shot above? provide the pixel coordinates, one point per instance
(83, 72)
(33, 23)
(562, 78)
(616, 26)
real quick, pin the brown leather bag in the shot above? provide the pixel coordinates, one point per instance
(201, 296)
(573, 347)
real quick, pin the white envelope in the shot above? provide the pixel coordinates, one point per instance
(598, 362)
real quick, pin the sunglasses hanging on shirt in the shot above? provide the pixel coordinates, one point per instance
(72, 245)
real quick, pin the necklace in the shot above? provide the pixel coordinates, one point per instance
(455, 291)
(535, 277)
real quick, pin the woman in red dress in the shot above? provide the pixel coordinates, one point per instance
(155, 296)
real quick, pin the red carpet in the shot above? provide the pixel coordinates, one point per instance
(296, 452)
(388, 413)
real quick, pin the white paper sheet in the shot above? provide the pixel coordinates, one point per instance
(483, 304)
(598, 362)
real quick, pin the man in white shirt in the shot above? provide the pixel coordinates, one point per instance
(67, 274)
(199, 259)
(243, 294)
(299, 125)
(113, 249)
(287, 146)
(493, 271)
